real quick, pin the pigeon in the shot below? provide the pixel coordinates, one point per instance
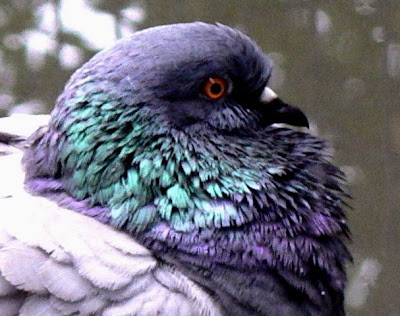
(171, 180)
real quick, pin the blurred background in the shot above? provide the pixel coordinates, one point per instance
(339, 60)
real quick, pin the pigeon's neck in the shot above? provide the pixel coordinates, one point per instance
(211, 202)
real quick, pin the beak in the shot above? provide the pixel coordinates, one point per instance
(274, 110)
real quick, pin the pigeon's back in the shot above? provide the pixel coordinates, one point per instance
(54, 261)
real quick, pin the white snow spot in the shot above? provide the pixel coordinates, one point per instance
(29, 107)
(70, 56)
(323, 22)
(364, 278)
(393, 59)
(378, 34)
(46, 18)
(365, 7)
(38, 45)
(93, 26)
(134, 14)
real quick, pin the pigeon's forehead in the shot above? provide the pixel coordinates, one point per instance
(185, 54)
(193, 38)
(188, 44)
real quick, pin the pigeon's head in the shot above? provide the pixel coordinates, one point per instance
(182, 77)
(170, 135)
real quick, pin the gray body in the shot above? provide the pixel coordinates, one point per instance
(144, 196)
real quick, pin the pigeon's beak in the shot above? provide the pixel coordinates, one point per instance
(274, 110)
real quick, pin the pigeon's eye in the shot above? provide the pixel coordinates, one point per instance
(215, 88)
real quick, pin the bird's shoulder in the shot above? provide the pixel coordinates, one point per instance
(54, 261)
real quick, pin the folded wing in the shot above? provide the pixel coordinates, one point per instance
(54, 261)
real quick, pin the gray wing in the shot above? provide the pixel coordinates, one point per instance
(54, 261)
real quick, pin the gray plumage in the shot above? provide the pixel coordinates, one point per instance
(161, 186)
(72, 264)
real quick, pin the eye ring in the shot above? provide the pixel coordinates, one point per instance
(215, 88)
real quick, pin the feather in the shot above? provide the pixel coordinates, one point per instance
(161, 185)
(36, 305)
(20, 265)
(89, 269)
(10, 306)
(63, 282)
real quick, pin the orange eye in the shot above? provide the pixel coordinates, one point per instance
(215, 88)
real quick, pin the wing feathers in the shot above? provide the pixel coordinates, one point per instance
(36, 305)
(54, 261)
(102, 276)
(63, 282)
(6, 288)
(20, 264)
(11, 305)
